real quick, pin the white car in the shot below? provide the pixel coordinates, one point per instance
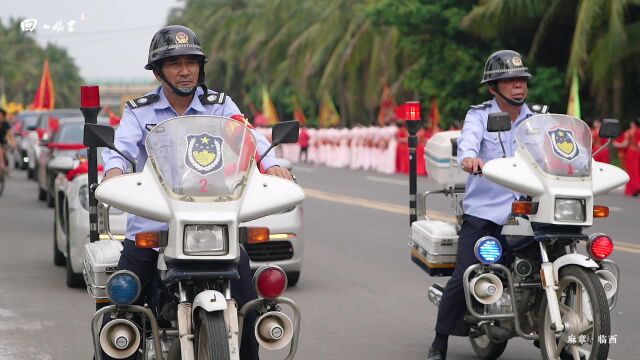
(285, 245)
(71, 220)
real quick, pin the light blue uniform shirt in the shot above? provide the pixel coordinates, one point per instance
(483, 198)
(134, 128)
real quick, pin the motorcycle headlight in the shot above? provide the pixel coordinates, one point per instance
(205, 240)
(83, 196)
(570, 210)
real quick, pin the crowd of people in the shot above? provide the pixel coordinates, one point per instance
(384, 149)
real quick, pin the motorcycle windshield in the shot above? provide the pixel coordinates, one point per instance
(559, 144)
(202, 158)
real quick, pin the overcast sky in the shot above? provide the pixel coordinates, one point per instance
(109, 39)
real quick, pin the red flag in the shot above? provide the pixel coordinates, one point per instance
(434, 115)
(298, 114)
(388, 106)
(45, 95)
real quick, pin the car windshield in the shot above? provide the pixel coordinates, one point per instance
(72, 131)
(30, 120)
(202, 158)
(559, 144)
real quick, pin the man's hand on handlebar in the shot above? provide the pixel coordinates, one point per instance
(473, 166)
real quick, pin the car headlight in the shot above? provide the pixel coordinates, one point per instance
(83, 196)
(569, 210)
(205, 240)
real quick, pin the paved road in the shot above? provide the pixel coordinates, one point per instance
(361, 296)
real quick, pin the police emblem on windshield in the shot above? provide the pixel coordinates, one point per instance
(564, 143)
(182, 38)
(204, 153)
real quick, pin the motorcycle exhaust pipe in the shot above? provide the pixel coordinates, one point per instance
(274, 330)
(435, 294)
(120, 338)
(486, 288)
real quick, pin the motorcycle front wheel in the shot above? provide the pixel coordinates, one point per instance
(211, 336)
(585, 314)
(487, 349)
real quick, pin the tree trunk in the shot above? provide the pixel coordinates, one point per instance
(618, 93)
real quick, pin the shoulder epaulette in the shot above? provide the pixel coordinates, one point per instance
(142, 101)
(539, 109)
(482, 106)
(212, 98)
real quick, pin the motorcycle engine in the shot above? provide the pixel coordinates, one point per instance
(502, 306)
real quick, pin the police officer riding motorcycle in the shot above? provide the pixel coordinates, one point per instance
(177, 60)
(535, 287)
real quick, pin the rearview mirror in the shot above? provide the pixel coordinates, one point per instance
(99, 136)
(102, 136)
(285, 132)
(499, 122)
(610, 128)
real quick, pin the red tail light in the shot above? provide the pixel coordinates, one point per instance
(600, 246)
(270, 281)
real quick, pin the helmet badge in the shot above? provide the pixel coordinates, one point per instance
(182, 38)
(516, 61)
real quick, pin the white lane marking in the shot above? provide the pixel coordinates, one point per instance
(388, 180)
(615, 209)
(433, 215)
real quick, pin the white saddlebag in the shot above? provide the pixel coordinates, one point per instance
(441, 164)
(434, 246)
(100, 261)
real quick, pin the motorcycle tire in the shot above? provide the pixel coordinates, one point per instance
(600, 320)
(292, 278)
(211, 341)
(487, 349)
(1, 184)
(58, 256)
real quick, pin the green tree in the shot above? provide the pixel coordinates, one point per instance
(595, 37)
(21, 60)
(316, 47)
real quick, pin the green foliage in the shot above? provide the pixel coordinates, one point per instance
(21, 60)
(547, 87)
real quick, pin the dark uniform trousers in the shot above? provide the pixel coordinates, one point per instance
(453, 305)
(143, 262)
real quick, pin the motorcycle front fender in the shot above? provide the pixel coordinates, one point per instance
(572, 259)
(209, 301)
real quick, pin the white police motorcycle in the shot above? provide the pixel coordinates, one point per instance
(201, 178)
(551, 293)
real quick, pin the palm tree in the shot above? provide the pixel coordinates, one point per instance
(600, 36)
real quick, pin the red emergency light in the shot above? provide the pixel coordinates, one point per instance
(412, 111)
(90, 96)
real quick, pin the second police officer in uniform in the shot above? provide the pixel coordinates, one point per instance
(486, 205)
(177, 60)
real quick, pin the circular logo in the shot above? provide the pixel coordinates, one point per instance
(182, 38)
(516, 61)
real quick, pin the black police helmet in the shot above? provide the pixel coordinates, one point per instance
(173, 40)
(504, 64)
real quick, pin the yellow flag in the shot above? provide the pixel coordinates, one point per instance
(268, 109)
(3, 102)
(328, 116)
(573, 108)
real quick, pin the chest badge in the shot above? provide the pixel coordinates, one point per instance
(204, 153)
(564, 144)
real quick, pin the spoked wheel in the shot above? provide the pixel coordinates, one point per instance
(585, 314)
(211, 336)
(487, 349)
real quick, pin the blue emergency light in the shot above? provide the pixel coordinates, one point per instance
(123, 288)
(488, 250)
